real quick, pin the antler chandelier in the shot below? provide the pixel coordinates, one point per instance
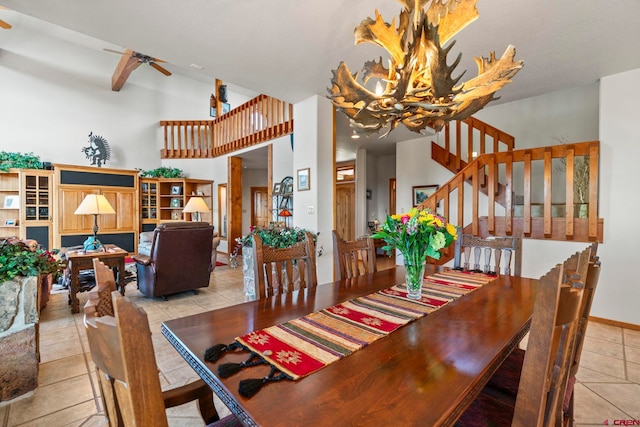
(417, 88)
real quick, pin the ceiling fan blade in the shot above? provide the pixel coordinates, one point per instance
(159, 68)
(4, 25)
(115, 51)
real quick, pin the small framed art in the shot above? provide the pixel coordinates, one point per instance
(176, 189)
(304, 180)
(10, 222)
(422, 193)
(277, 188)
(175, 202)
(11, 202)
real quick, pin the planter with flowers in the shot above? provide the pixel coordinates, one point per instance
(417, 235)
(22, 270)
(276, 237)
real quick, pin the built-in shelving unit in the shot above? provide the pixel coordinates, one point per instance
(163, 199)
(25, 204)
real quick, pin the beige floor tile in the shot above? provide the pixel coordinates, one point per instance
(605, 364)
(93, 421)
(590, 408)
(632, 338)
(633, 372)
(52, 398)
(600, 346)
(60, 350)
(586, 375)
(626, 397)
(61, 369)
(4, 410)
(73, 416)
(604, 332)
(632, 354)
(58, 335)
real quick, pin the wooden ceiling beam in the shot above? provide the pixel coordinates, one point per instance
(125, 67)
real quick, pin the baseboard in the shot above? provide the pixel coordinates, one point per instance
(614, 323)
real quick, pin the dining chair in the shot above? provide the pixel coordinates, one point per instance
(122, 351)
(506, 379)
(546, 363)
(508, 248)
(354, 257)
(281, 270)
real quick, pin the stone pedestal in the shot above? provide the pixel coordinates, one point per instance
(19, 355)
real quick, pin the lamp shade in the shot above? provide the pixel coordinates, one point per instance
(285, 212)
(196, 205)
(94, 204)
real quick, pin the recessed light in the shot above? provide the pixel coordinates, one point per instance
(196, 66)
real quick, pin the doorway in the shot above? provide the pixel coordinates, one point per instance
(260, 213)
(345, 210)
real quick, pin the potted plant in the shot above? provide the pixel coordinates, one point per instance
(276, 237)
(9, 160)
(162, 172)
(21, 273)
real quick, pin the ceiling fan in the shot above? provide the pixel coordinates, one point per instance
(4, 24)
(130, 61)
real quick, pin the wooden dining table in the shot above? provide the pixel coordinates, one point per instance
(424, 374)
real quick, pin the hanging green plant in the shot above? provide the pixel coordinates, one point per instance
(162, 172)
(10, 160)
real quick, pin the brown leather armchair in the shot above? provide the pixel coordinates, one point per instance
(179, 259)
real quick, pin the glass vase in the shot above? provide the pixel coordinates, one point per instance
(414, 273)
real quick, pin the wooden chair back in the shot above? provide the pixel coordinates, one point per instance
(549, 352)
(354, 257)
(99, 302)
(507, 249)
(122, 351)
(281, 270)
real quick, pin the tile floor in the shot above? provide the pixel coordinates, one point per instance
(608, 386)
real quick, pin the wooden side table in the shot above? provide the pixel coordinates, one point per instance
(78, 260)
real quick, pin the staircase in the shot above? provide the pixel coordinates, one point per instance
(491, 176)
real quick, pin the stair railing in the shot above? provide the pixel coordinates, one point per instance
(532, 173)
(261, 119)
(471, 137)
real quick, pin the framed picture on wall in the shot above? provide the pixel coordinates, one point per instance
(303, 180)
(422, 193)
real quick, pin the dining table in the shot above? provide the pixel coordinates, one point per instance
(425, 373)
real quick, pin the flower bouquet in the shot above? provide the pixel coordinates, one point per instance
(417, 235)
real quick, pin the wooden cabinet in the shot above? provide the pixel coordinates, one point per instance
(25, 205)
(163, 199)
(37, 206)
(120, 187)
(10, 204)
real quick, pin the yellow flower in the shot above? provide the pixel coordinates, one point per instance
(453, 230)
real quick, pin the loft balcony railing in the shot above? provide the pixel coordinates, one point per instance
(259, 120)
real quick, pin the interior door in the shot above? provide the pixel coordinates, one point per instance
(346, 210)
(392, 196)
(259, 206)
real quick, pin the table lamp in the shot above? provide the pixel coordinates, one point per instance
(196, 205)
(94, 204)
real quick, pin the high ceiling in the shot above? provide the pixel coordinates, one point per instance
(287, 48)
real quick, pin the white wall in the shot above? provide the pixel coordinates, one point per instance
(313, 129)
(618, 294)
(55, 93)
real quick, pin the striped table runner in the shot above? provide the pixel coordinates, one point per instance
(305, 345)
